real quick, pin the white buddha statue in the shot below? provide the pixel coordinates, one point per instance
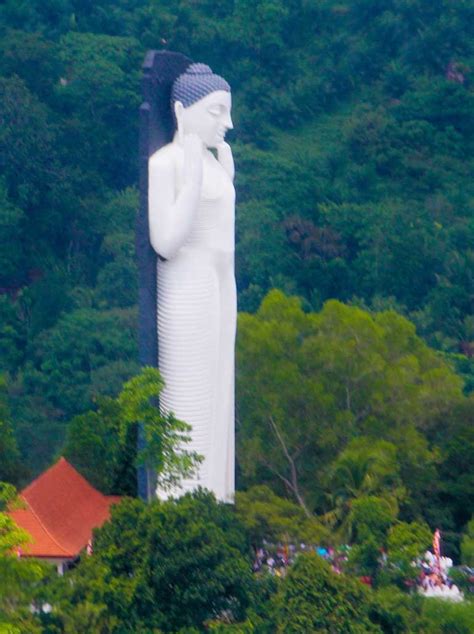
(191, 220)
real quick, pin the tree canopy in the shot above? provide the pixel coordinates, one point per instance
(340, 402)
(162, 567)
(353, 157)
(353, 140)
(102, 443)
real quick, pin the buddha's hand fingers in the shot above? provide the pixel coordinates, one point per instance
(223, 146)
(224, 154)
(193, 157)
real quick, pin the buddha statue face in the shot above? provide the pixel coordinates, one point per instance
(209, 118)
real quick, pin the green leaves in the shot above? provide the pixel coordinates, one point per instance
(360, 187)
(406, 542)
(11, 468)
(315, 599)
(166, 565)
(18, 576)
(165, 436)
(310, 383)
(267, 516)
(100, 92)
(102, 444)
(11, 250)
(467, 544)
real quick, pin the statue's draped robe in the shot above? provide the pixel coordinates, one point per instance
(196, 302)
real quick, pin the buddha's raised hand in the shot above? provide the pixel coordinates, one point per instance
(224, 154)
(193, 157)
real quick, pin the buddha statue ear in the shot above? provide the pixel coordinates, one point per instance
(178, 114)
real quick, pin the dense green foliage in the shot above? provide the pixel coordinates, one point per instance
(185, 567)
(314, 599)
(354, 138)
(18, 577)
(467, 546)
(344, 405)
(268, 516)
(167, 565)
(10, 466)
(102, 444)
(354, 132)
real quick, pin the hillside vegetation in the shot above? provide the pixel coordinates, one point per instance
(354, 140)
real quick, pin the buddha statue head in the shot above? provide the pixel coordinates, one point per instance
(201, 103)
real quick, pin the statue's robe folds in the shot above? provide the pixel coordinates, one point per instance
(197, 308)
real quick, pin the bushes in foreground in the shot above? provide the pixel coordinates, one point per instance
(185, 566)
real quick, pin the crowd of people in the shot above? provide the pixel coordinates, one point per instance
(433, 579)
(276, 558)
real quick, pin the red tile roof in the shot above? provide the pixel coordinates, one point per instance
(59, 512)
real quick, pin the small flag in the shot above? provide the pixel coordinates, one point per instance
(437, 548)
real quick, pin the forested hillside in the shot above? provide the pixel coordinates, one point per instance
(354, 138)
